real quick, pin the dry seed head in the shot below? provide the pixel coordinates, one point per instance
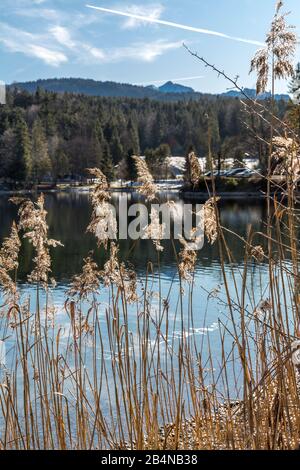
(155, 230)
(260, 64)
(9, 255)
(100, 190)
(115, 273)
(195, 168)
(281, 43)
(264, 307)
(258, 253)
(187, 261)
(102, 180)
(286, 157)
(210, 220)
(33, 223)
(148, 188)
(88, 282)
(103, 222)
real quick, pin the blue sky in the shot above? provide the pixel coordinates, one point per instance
(64, 38)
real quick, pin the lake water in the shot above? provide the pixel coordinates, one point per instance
(68, 217)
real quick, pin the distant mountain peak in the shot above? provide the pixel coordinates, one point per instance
(170, 87)
(251, 93)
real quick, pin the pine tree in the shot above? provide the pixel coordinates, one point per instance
(116, 147)
(21, 167)
(134, 137)
(60, 164)
(107, 164)
(7, 151)
(126, 169)
(41, 163)
(97, 146)
(131, 167)
(156, 160)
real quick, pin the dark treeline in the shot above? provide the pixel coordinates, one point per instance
(46, 135)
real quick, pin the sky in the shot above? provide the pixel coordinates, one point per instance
(135, 42)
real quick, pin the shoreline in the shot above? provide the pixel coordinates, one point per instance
(202, 196)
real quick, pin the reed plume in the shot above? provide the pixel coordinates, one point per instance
(115, 273)
(155, 230)
(210, 220)
(148, 187)
(286, 157)
(9, 255)
(88, 282)
(187, 259)
(257, 252)
(103, 222)
(32, 221)
(277, 56)
(195, 168)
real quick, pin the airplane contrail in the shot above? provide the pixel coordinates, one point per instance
(175, 25)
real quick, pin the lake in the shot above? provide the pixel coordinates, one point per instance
(68, 217)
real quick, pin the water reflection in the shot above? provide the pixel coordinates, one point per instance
(69, 215)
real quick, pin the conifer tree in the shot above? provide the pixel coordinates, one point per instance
(97, 146)
(60, 164)
(134, 137)
(116, 147)
(107, 164)
(131, 166)
(41, 163)
(21, 168)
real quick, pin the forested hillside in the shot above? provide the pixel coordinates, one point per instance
(51, 135)
(167, 92)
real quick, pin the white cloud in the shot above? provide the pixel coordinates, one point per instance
(50, 57)
(30, 44)
(83, 51)
(63, 36)
(152, 20)
(65, 44)
(88, 53)
(151, 11)
(146, 52)
(95, 52)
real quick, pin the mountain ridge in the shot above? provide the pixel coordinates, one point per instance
(251, 93)
(169, 91)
